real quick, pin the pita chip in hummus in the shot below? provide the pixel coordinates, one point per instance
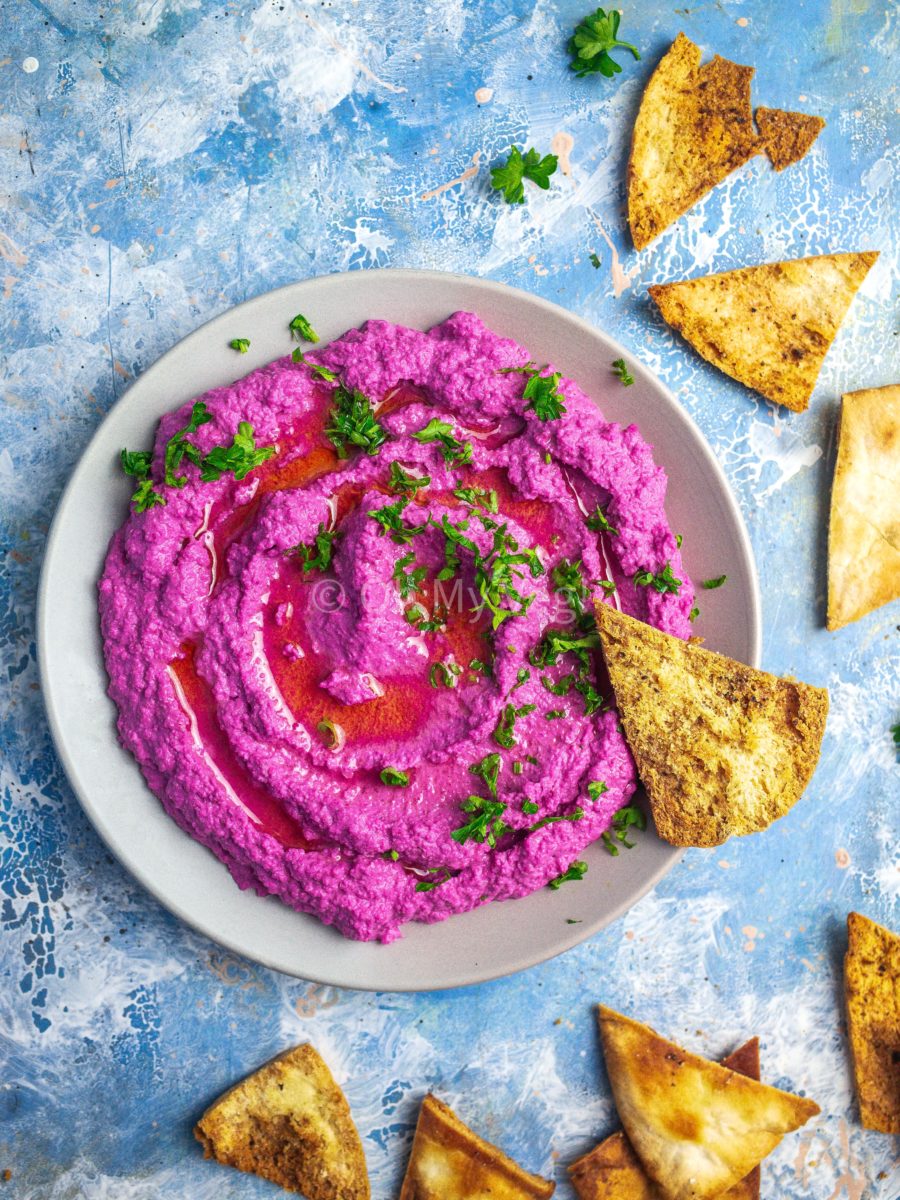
(720, 747)
(769, 327)
(694, 127)
(864, 532)
(450, 1162)
(290, 1123)
(697, 1127)
(612, 1170)
(787, 136)
(872, 993)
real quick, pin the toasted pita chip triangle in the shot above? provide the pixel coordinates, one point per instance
(450, 1162)
(872, 992)
(694, 127)
(290, 1123)
(721, 748)
(770, 326)
(864, 533)
(697, 1127)
(612, 1170)
(787, 136)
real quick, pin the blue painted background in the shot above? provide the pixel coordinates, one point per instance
(165, 159)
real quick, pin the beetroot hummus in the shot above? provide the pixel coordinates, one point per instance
(359, 665)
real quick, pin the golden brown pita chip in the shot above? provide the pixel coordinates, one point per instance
(864, 532)
(770, 326)
(697, 1127)
(694, 127)
(612, 1170)
(787, 136)
(290, 1123)
(450, 1162)
(721, 748)
(872, 991)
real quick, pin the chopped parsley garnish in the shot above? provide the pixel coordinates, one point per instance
(568, 581)
(392, 855)
(576, 871)
(408, 581)
(488, 769)
(607, 585)
(352, 423)
(325, 373)
(594, 261)
(317, 557)
(561, 687)
(477, 497)
(452, 448)
(624, 375)
(574, 921)
(593, 701)
(428, 885)
(454, 537)
(557, 642)
(394, 778)
(663, 581)
(678, 540)
(504, 734)
(522, 676)
(447, 673)
(528, 806)
(302, 330)
(555, 714)
(621, 823)
(517, 769)
(596, 788)
(390, 519)
(710, 584)
(590, 44)
(477, 665)
(332, 734)
(895, 733)
(238, 459)
(598, 521)
(178, 447)
(497, 574)
(541, 393)
(137, 464)
(694, 614)
(400, 481)
(575, 815)
(509, 177)
(486, 823)
(242, 345)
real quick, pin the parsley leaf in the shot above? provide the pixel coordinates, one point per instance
(400, 481)
(595, 260)
(556, 642)
(428, 885)
(621, 823)
(446, 672)
(488, 769)
(576, 871)
(486, 824)
(145, 496)
(352, 422)
(663, 581)
(242, 345)
(624, 375)
(895, 733)
(504, 734)
(241, 457)
(542, 396)
(394, 778)
(302, 330)
(591, 42)
(452, 448)
(136, 462)
(575, 815)
(710, 584)
(599, 523)
(390, 520)
(477, 497)
(568, 582)
(596, 788)
(509, 176)
(178, 447)
(408, 581)
(317, 557)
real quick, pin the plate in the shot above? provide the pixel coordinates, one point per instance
(491, 941)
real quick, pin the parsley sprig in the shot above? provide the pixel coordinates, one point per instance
(390, 518)
(509, 177)
(504, 734)
(594, 37)
(576, 871)
(622, 373)
(486, 823)
(452, 448)
(242, 345)
(662, 581)
(711, 584)
(599, 522)
(401, 481)
(488, 769)
(318, 555)
(352, 423)
(623, 820)
(302, 330)
(408, 581)
(394, 778)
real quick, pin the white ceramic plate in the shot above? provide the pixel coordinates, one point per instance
(498, 938)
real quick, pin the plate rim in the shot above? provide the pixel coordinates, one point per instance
(201, 924)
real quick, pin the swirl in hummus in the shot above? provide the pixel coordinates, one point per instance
(309, 662)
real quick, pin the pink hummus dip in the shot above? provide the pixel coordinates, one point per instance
(314, 724)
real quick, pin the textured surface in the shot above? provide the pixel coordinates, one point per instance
(173, 157)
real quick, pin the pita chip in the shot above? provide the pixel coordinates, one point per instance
(290, 1123)
(872, 993)
(694, 127)
(864, 531)
(769, 327)
(720, 747)
(612, 1171)
(787, 136)
(697, 1127)
(450, 1162)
